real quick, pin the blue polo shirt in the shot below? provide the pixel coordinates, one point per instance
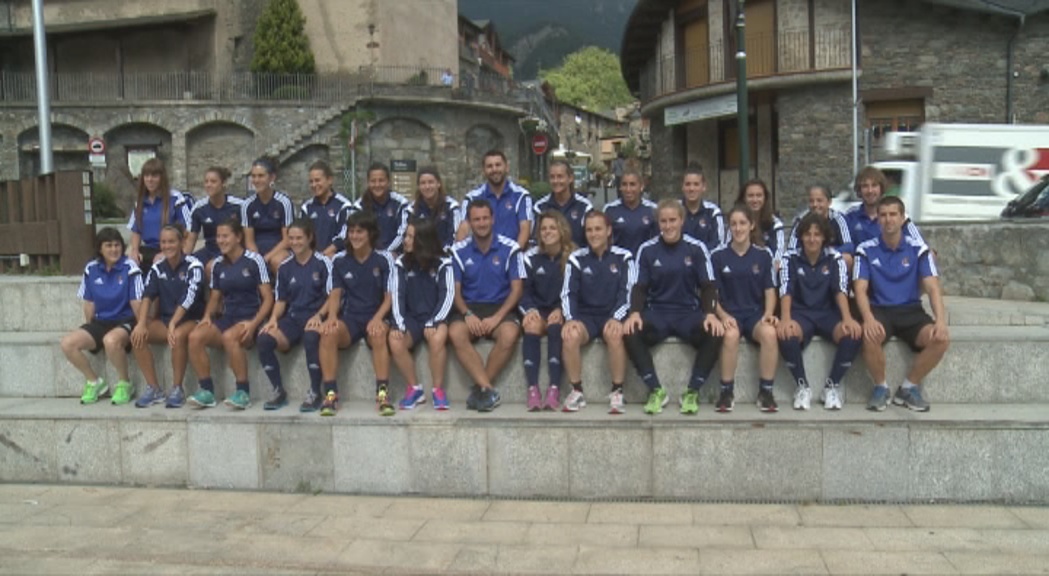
(486, 277)
(673, 273)
(363, 283)
(543, 281)
(205, 217)
(863, 228)
(239, 281)
(268, 219)
(575, 211)
(388, 214)
(304, 286)
(598, 286)
(742, 280)
(841, 237)
(813, 286)
(329, 219)
(706, 224)
(425, 296)
(895, 275)
(178, 287)
(508, 210)
(111, 291)
(148, 228)
(632, 226)
(447, 219)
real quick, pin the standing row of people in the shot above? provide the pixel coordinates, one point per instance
(335, 285)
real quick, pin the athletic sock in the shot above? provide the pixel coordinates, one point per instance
(907, 384)
(847, 350)
(696, 382)
(311, 345)
(790, 349)
(207, 384)
(531, 350)
(765, 385)
(244, 387)
(577, 386)
(330, 386)
(553, 352)
(267, 346)
(728, 385)
(617, 387)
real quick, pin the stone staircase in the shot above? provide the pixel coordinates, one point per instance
(986, 438)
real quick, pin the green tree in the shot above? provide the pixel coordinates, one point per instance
(591, 79)
(281, 45)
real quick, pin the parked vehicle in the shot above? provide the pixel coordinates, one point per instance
(1031, 204)
(961, 171)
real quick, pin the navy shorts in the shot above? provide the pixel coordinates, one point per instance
(166, 319)
(904, 322)
(292, 328)
(814, 322)
(662, 324)
(358, 327)
(747, 322)
(595, 325)
(224, 322)
(99, 328)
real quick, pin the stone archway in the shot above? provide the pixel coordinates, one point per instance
(294, 172)
(68, 145)
(132, 142)
(218, 143)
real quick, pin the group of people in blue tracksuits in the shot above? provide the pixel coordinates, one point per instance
(396, 272)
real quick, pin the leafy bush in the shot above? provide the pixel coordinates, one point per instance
(281, 44)
(105, 202)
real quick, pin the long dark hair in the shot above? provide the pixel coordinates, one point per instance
(764, 217)
(440, 203)
(367, 201)
(154, 166)
(755, 234)
(426, 247)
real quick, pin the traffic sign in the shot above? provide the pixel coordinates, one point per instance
(96, 145)
(540, 143)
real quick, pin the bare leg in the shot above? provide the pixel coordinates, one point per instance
(768, 354)
(467, 354)
(616, 356)
(180, 353)
(380, 354)
(200, 338)
(571, 355)
(506, 335)
(930, 356)
(115, 342)
(73, 346)
(438, 345)
(401, 351)
(729, 354)
(874, 357)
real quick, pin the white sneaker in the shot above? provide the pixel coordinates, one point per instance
(615, 403)
(574, 402)
(802, 397)
(832, 397)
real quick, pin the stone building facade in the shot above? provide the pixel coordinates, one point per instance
(918, 62)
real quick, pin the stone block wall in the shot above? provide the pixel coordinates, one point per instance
(1007, 260)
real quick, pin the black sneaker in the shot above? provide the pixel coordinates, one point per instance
(766, 402)
(488, 400)
(473, 398)
(312, 403)
(277, 400)
(726, 401)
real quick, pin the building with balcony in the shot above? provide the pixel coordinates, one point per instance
(917, 61)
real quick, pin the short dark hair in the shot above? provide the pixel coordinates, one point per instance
(813, 219)
(108, 234)
(825, 190)
(493, 152)
(892, 201)
(478, 203)
(323, 167)
(306, 225)
(367, 222)
(380, 167)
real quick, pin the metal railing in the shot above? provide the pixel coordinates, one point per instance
(785, 52)
(94, 87)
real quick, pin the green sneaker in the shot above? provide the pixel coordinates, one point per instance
(122, 393)
(93, 391)
(202, 399)
(690, 402)
(239, 401)
(657, 399)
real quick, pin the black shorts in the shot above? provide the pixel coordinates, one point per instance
(148, 255)
(814, 322)
(483, 310)
(662, 324)
(903, 322)
(357, 326)
(595, 324)
(99, 328)
(747, 322)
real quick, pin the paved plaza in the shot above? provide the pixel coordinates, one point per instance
(46, 529)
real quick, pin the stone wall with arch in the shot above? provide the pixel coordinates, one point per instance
(69, 144)
(125, 138)
(294, 172)
(216, 143)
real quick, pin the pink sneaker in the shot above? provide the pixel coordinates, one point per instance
(553, 399)
(535, 401)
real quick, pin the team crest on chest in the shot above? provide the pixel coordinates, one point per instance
(613, 268)
(906, 262)
(375, 272)
(755, 269)
(509, 206)
(245, 273)
(825, 270)
(331, 213)
(495, 260)
(644, 220)
(688, 260)
(316, 276)
(275, 214)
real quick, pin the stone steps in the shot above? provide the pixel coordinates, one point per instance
(984, 365)
(956, 453)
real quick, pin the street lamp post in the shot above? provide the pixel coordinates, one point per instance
(742, 107)
(43, 96)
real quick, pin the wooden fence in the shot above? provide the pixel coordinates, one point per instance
(48, 219)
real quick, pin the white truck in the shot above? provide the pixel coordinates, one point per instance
(961, 171)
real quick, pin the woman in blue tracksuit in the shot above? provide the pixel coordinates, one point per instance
(540, 306)
(432, 203)
(423, 289)
(303, 284)
(209, 212)
(158, 205)
(358, 307)
(595, 300)
(744, 272)
(266, 215)
(755, 195)
(385, 204)
(111, 290)
(814, 288)
(241, 299)
(176, 284)
(327, 210)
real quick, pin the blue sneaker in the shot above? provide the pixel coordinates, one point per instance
(473, 398)
(440, 400)
(176, 399)
(278, 399)
(911, 398)
(150, 397)
(489, 399)
(879, 399)
(413, 398)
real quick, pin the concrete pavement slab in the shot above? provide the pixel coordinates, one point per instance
(437, 508)
(425, 556)
(233, 501)
(602, 560)
(927, 539)
(15, 512)
(283, 552)
(639, 513)
(111, 516)
(344, 505)
(963, 516)
(1001, 564)
(354, 527)
(855, 562)
(761, 562)
(475, 559)
(563, 534)
(179, 521)
(259, 521)
(479, 532)
(736, 514)
(1033, 516)
(694, 537)
(528, 560)
(856, 515)
(1018, 541)
(537, 511)
(810, 538)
